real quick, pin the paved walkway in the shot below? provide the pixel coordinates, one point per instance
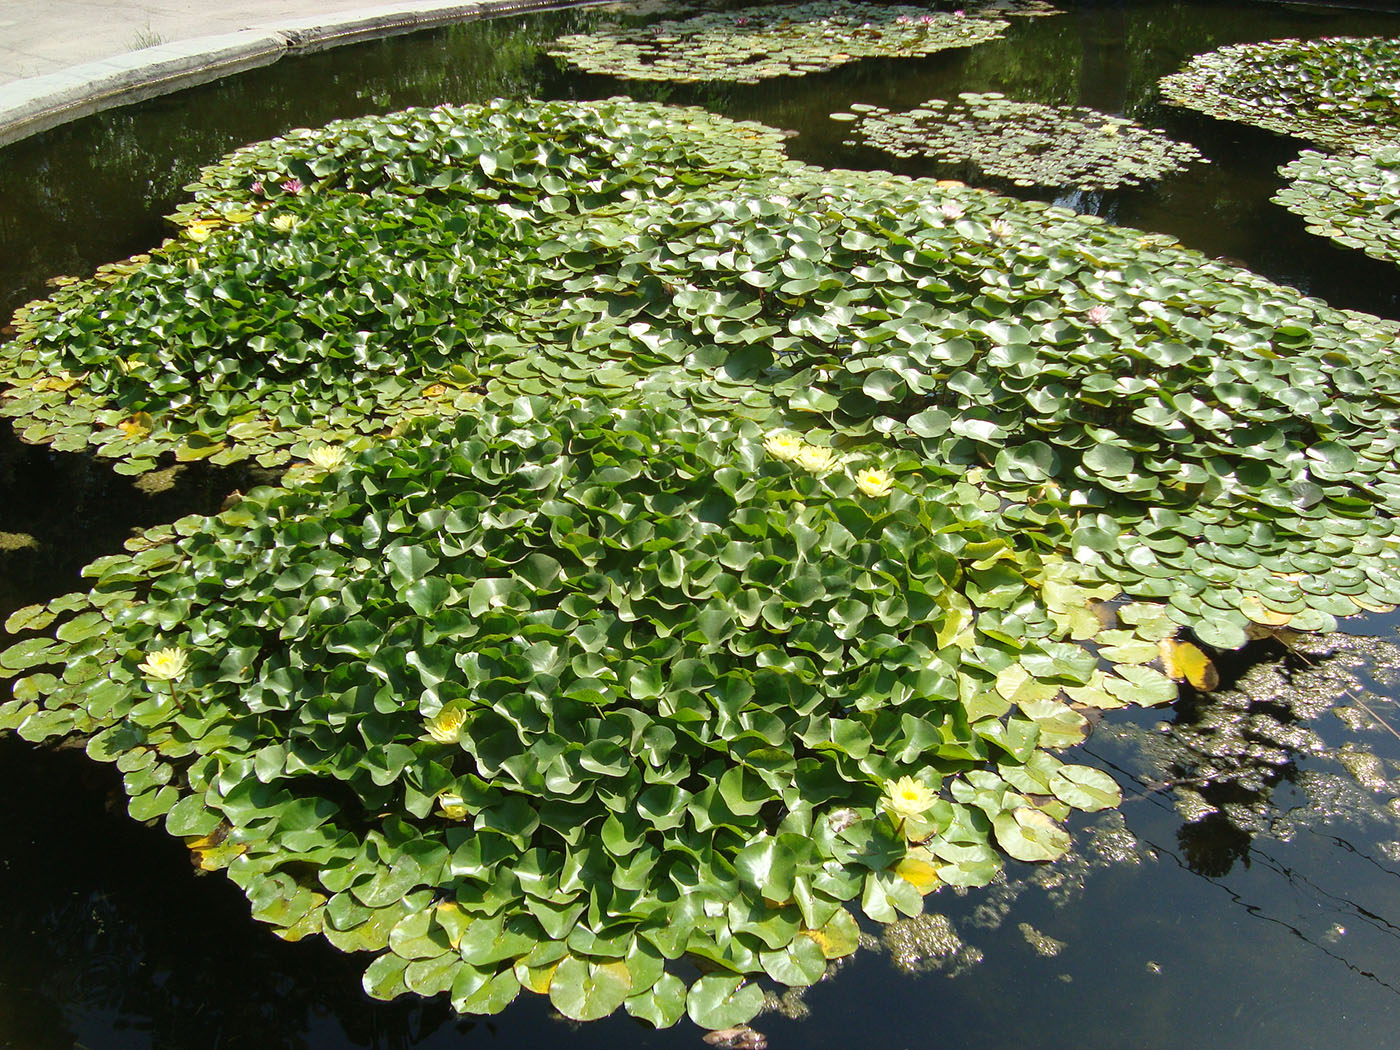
(64, 59)
(51, 35)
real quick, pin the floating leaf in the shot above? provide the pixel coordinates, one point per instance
(721, 1001)
(1030, 835)
(1085, 787)
(585, 990)
(1185, 662)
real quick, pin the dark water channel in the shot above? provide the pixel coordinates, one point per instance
(1246, 896)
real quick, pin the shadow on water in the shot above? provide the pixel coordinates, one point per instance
(1250, 876)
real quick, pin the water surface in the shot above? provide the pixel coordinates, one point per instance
(1271, 921)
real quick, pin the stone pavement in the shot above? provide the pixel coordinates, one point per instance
(64, 59)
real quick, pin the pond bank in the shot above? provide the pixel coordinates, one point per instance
(57, 65)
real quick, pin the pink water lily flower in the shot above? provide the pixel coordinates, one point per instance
(293, 185)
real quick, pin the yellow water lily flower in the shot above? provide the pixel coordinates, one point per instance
(166, 664)
(816, 458)
(783, 446)
(451, 806)
(285, 223)
(327, 457)
(908, 798)
(874, 482)
(446, 726)
(137, 426)
(197, 232)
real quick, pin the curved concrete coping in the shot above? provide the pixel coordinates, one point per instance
(37, 104)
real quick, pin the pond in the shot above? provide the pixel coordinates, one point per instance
(1241, 895)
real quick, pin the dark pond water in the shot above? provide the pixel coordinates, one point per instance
(1246, 896)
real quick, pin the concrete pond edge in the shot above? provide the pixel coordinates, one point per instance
(37, 104)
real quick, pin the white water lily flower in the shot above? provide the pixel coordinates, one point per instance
(1001, 228)
(952, 210)
(908, 799)
(327, 457)
(166, 664)
(874, 482)
(446, 726)
(783, 446)
(451, 806)
(816, 458)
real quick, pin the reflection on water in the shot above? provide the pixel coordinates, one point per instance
(1251, 876)
(1286, 751)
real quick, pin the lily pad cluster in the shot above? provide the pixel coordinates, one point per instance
(1351, 198)
(1029, 143)
(722, 541)
(1140, 410)
(570, 698)
(1336, 92)
(379, 246)
(751, 44)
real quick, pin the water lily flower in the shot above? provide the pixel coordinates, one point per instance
(1098, 314)
(285, 223)
(926, 19)
(815, 458)
(197, 232)
(1001, 228)
(908, 799)
(166, 664)
(257, 188)
(741, 21)
(874, 482)
(952, 210)
(446, 726)
(451, 806)
(293, 185)
(783, 446)
(327, 457)
(902, 20)
(1109, 129)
